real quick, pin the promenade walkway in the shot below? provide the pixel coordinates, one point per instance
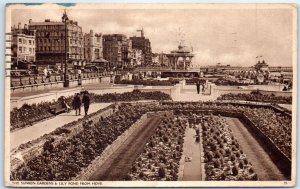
(39, 129)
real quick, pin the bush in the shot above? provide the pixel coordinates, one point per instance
(162, 172)
(235, 171)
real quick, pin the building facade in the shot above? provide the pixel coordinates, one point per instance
(93, 48)
(163, 59)
(117, 50)
(143, 44)
(137, 57)
(22, 46)
(155, 59)
(51, 39)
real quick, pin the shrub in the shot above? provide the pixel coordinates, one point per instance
(235, 170)
(161, 172)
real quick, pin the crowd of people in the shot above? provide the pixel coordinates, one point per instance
(258, 97)
(162, 153)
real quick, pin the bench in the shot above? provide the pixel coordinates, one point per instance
(57, 109)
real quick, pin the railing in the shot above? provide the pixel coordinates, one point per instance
(17, 81)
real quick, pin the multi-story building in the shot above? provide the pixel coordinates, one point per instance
(160, 59)
(22, 46)
(117, 50)
(137, 57)
(93, 49)
(143, 44)
(51, 37)
(155, 59)
(163, 59)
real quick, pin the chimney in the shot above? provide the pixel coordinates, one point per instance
(25, 26)
(30, 21)
(19, 25)
(91, 32)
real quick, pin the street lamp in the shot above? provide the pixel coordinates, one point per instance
(66, 79)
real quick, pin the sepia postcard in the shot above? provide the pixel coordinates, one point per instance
(150, 95)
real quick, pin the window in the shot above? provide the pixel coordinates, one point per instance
(20, 49)
(29, 41)
(24, 49)
(30, 50)
(97, 53)
(20, 40)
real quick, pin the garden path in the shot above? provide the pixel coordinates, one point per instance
(27, 134)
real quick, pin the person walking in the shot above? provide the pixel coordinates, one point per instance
(86, 102)
(77, 104)
(198, 87)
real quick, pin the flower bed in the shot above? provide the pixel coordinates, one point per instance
(65, 159)
(258, 97)
(30, 114)
(276, 126)
(224, 158)
(148, 82)
(162, 153)
(193, 81)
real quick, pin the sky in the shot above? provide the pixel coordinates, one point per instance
(234, 36)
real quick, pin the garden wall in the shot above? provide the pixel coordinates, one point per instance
(58, 84)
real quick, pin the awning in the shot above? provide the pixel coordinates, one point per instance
(101, 60)
(25, 62)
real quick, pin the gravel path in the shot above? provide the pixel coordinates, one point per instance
(191, 148)
(263, 165)
(119, 163)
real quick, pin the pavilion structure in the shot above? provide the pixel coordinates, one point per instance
(181, 58)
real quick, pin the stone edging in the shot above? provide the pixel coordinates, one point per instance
(87, 172)
(202, 163)
(182, 160)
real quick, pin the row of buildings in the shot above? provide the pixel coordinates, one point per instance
(53, 43)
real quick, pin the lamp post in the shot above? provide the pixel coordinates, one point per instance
(66, 79)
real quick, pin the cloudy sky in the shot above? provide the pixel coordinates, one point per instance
(229, 36)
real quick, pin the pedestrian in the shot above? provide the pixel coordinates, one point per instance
(77, 104)
(198, 87)
(86, 102)
(65, 104)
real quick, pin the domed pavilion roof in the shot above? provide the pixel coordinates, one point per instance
(181, 49)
